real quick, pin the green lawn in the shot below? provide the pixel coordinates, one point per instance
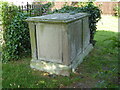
(108, 23)
(99, 69)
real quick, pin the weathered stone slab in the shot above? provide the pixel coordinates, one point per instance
(57, 18)
(86, 33)
(52, 68)
(49, 42)
(59, 42)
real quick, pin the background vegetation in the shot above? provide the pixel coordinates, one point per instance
(0, 11)
(117, 10)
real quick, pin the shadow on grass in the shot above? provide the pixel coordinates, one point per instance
(99, 69)
(101, 64)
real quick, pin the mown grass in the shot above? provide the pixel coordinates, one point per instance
(108, 23)
(99, 69)
(19, 75)
(101, 64)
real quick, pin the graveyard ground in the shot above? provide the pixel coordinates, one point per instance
(99, 69)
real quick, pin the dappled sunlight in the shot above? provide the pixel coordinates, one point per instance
(45, 74)
(52, 68)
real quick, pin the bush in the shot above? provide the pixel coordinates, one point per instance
(8, 13)
(90, 8)
(17, 41)
(15, 33)
(0, 10)
(117, 10)
(41, 9)
(46, 8)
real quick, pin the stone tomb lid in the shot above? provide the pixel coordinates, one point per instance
(57, 18)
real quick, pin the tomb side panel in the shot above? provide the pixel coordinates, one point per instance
(86, 32)
(49, 42)
(75, 39)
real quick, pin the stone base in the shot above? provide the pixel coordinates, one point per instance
(54, 68)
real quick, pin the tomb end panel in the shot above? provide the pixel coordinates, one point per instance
(32, 31)
(49, 42)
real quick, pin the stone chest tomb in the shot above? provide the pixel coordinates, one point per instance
(59, 42)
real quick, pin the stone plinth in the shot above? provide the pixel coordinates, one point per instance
(59, 42)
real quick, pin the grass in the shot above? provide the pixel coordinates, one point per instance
(19, 75)
(102, 62)
(99, 69)
(108, 23)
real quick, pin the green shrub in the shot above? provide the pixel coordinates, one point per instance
(8, 13)
(0, 10)
(17, 41)
(15, 33)
(117, 10)
(41, 9)
(90, 8)
(7, 16)
(46, 8)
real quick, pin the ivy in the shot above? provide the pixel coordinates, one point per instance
(15, 33)
(8, 13)
(41, 9)
(17, 40)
